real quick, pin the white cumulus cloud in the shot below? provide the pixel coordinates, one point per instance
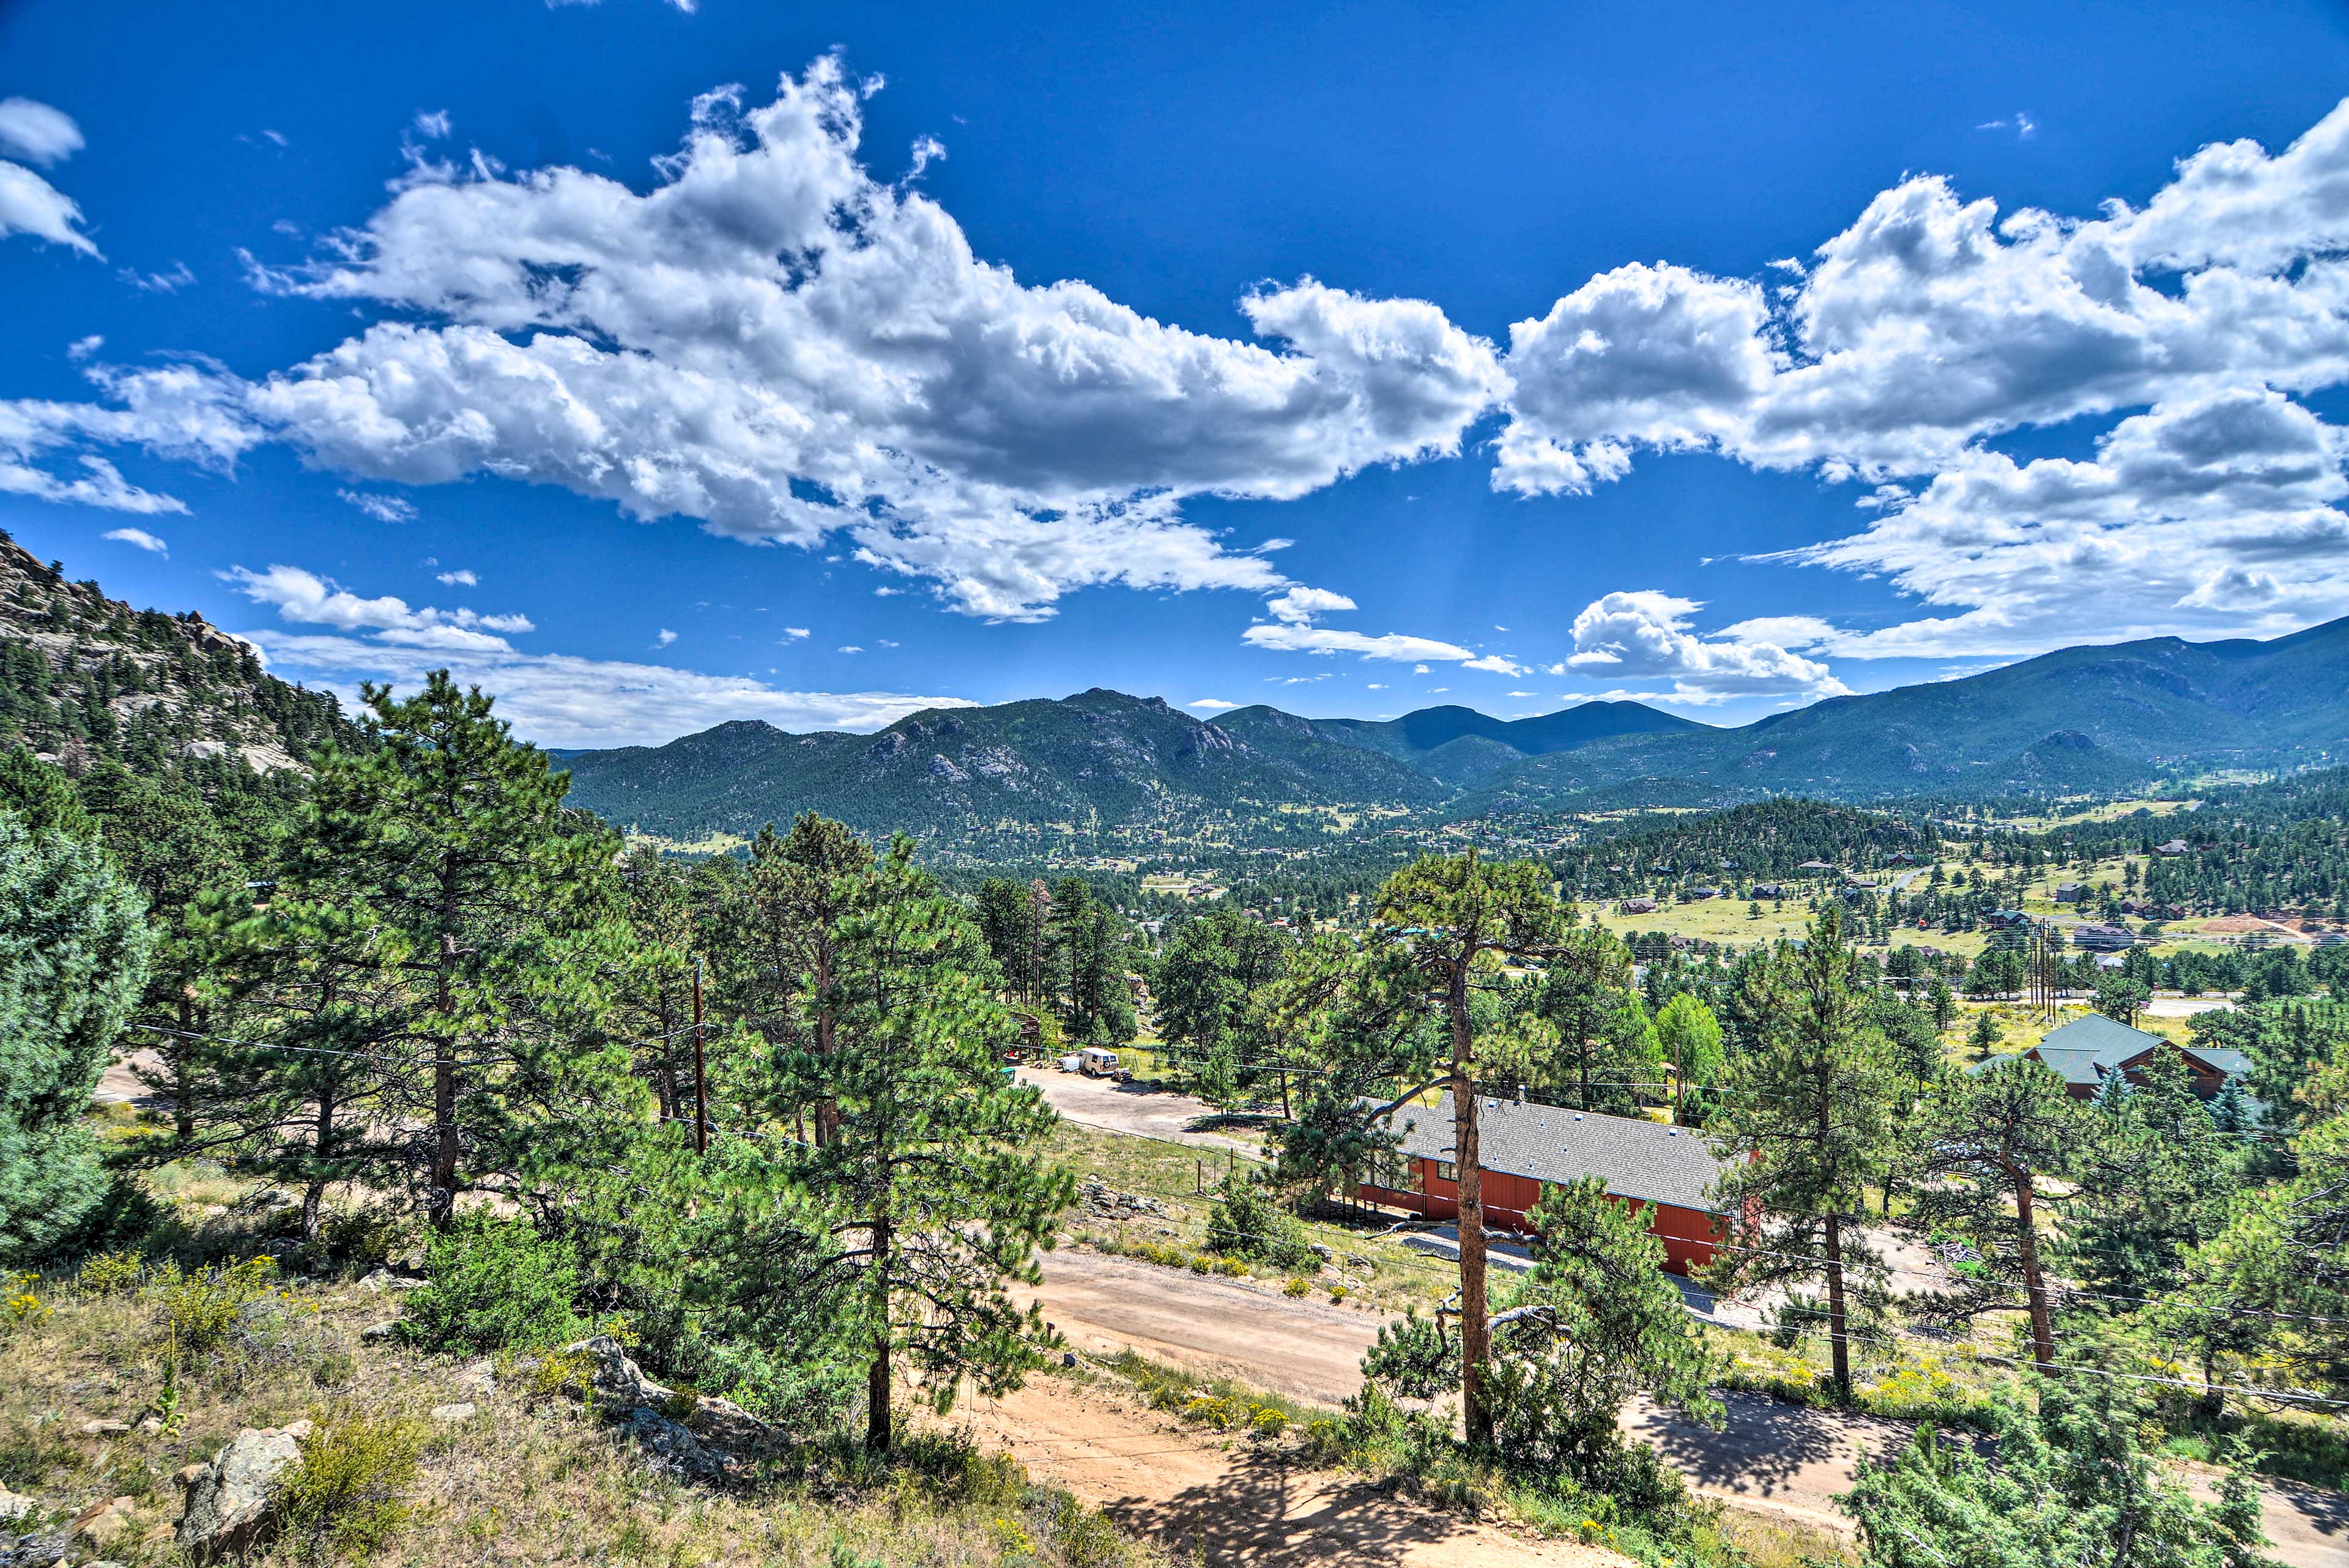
(138, 537)
(305, 598)
(1647, 635)
(38, 133)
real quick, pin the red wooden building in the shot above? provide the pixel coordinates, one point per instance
(1525, 1145)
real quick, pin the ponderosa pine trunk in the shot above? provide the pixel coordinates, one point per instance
(1476, 1337)
(2035, 1283)
(877, 1376)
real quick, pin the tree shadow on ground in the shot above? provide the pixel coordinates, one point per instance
(1246, 1518)
(2327, 1512)
(1765, 1443)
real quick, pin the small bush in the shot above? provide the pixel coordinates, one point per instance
(1230, 1266)
(1297, 1285)
(199, 1309)
(495, 1285)
(1083, 1536)
(1337, 1293)
(558, 1373)
(1247, 1222)
(347, 1495)
(108, 1273)
(19, 1306)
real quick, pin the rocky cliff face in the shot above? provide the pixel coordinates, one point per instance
(83, 676)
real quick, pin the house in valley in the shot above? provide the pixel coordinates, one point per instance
(2084, 1051)
(1525, 1145)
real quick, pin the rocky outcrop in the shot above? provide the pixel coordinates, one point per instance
(700, 1436)
(1100, 1198)
(229, 1507)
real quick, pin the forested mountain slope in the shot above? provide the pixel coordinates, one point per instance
(1097, 767)
(85, 677)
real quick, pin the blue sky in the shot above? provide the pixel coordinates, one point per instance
(1725, 358)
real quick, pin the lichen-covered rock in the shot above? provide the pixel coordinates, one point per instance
(12, 1507)
(229, 1499)
(670, 1446)
(617, 1382)
(724, 1422)
(699, 1441)
(39, 1550)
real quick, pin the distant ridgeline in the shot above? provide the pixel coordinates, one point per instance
(85, 678)
(1104, 773)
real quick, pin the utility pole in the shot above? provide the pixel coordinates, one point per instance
(700, 1082)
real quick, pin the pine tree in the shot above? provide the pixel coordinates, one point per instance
(2153, 1183)
(935, 1196)
(310, 1087)
(1606, 1044)
(1594, 1324)
(1977, 1159)
(72, 958)
(1212, 990)
(1808, 1126)
(2071, 1484)
(498, 907)
(1450, 921)
(803, 888)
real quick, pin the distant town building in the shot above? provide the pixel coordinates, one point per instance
(2175, 846)
(1635, 906)
(2102, 938)
(2071, 892)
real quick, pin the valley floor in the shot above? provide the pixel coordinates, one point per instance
(1782, 1460)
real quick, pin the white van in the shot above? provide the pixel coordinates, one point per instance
(1095, 1062)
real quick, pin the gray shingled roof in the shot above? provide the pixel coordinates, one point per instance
(1636, 1158)
(2086, 1049)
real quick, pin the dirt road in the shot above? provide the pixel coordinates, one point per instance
(1131, 1108)
(1777, 1457)
(1229, 1503)
(1303, 1349)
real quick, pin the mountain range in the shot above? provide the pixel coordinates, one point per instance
(83, 677)
(1103, 770)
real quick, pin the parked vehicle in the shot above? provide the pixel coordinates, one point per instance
(1095, 1062)
(1070, 1063)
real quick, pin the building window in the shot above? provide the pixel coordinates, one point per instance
(1444, 1171)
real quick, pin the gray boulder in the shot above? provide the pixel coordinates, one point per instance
(669, 1447)
(37, 1551)
(228, 1500)
(700, 1446)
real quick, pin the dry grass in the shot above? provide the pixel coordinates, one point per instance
(527, 1478)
